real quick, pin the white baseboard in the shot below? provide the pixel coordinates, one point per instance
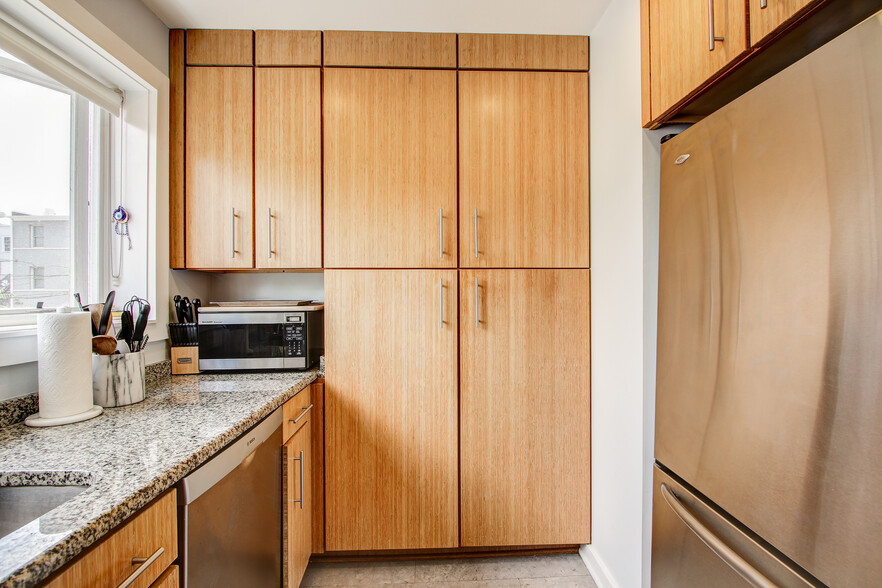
(597, 568)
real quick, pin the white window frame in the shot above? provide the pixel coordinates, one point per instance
(89, 194)
(41, 277)
(142, 175)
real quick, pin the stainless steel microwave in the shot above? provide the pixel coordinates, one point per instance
(260, 336)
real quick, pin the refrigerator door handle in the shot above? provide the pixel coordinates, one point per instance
(714, 543)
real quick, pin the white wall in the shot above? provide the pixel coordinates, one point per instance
(616, 554)
(271, 286)
(136, 24)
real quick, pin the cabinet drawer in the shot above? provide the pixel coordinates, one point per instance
(170, 578)
(296, 412)
(115, 558)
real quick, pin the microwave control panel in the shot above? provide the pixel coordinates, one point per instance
(295, 335)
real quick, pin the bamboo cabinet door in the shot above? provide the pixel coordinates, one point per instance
(391, 464)
(768, 15)
(219, 193)
(680, 36)
(390, 168)
(525, 407)
(287, 168)
(298, 504)
(523, 169)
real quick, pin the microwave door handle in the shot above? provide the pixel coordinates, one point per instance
(753, 576)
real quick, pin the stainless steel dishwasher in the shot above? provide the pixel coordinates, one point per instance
(230, 523)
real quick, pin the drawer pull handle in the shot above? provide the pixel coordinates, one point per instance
(143, 564)
(712, 37)
(300, 459)
(306, 409)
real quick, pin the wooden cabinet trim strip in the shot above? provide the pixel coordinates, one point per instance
(523, 52)
(389, 49)
(176, 169)
(287, 48)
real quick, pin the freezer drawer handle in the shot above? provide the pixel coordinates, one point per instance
(306, 409)
(144, 564)
(723, 551)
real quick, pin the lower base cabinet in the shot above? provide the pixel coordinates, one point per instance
(299, 510)
(525, 407)
(391, 440)
(129, 551)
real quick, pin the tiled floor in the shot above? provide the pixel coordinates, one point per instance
(560, 571)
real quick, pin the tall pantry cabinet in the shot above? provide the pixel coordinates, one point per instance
(441, 181)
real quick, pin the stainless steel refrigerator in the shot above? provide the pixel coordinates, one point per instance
(769, 392)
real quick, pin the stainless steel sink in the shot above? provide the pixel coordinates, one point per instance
(19, 505)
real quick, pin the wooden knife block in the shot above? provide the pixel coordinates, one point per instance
(184, 360)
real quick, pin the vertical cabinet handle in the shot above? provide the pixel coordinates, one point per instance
(476, 233)
(269, 233)
(440, 233)
(764, 4)
(477, 305)
(440, 303)
(233, 233)
(712, 38)
(142, 563)
(300, 459)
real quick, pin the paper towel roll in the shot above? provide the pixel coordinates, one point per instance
(64, 368)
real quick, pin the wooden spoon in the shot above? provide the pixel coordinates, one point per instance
(103, 344)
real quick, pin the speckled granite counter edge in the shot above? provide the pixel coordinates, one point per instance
(71, 546)
(15, 410)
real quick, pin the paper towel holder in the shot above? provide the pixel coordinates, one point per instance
(44, 322)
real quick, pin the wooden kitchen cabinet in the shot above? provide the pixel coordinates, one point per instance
(287, 168)
(219, 196)
(298, 452)
(389, 168)
(768, 15)
(391, 431)
(523, 169)
(525, 407)
(151, 531)
(681, 56)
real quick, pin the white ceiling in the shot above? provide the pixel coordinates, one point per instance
(559, 17)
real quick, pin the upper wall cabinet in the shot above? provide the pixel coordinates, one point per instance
(690, 42)
(548, 52)
(219, 206)
(287, 167)
(523, 169)
(245, 187)
(699, 55)
(768, 15)
(389, 168)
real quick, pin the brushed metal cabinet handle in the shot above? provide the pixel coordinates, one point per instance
(440, 233)
(300, 459)
(440, 303)
(714, 543)
(269, 233)
(712, 38)
(477, 305)
(143, 564)
(476, 233)
(764, 4)
(306, 409)
(233, 232)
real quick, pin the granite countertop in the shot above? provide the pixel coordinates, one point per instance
(127, 456)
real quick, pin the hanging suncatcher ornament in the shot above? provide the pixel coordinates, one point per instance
(121, 224)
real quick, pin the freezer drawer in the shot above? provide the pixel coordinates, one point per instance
(693, 545)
